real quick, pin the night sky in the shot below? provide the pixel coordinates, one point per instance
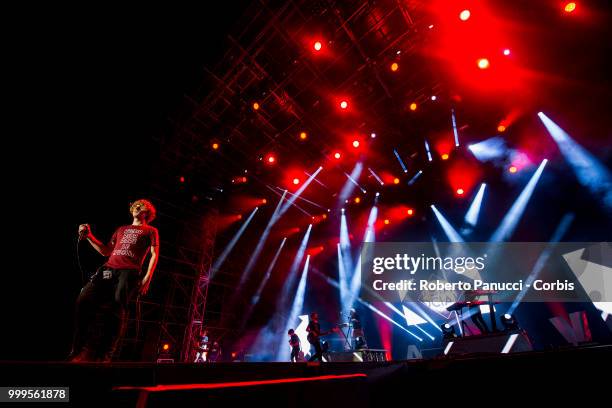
(90, 94)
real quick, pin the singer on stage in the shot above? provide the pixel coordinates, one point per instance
(110, 289)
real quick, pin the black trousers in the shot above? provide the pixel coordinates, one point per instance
(101, 311)
(478, 320)
(318, 355)
(295, 354)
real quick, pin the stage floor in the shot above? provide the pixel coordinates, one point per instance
(574, 370)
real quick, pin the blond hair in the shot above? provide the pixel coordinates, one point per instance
(149, 208)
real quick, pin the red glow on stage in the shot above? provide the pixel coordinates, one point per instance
(460, 191)
(443, 144)
(356, 143)
(396, 181)
(413, 106)
(396, 214)
(337, 155)
(182, 179)
(463, 174)
(317, 46)
(394, 67)
(387, 178)
(385, 332)
(243, 203)
(570, 7)
(471, 51)
(501, 128)
(303, 135)
(270, 159)
(255, 106)
(343, 104)
(291, 231)
(506, 52)
(179, 387)
(483, 63)
(227, 220)
(293, 178)
(315, 251)
(465, 15)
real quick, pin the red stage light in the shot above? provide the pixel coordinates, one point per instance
(506, 52)
(357, 200)
(337, 155)
(413, 106)
(315, 251)
(165, 347)
(445, 156)
(303, 135)
(465, 15)
(355, 143)
(394, 66)
(513, 169)
(570, 7)
(343, 104)
(317, 45)
(501, 128)
(296, 181)
(270, 159)
(255, 106)
(483, 63)
(239, 216)
(182, 179)
(387, 222)
(396, 181)
(264, 201)
(215, 146)
(460, 191)
(410, 212)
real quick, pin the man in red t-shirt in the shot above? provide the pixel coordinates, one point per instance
(115, 283)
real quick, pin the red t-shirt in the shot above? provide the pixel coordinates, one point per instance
(130, 245)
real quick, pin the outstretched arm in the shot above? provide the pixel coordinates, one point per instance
(85, 232)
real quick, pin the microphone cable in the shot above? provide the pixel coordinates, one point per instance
(78, 257)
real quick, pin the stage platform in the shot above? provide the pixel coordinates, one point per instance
(552, 375)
